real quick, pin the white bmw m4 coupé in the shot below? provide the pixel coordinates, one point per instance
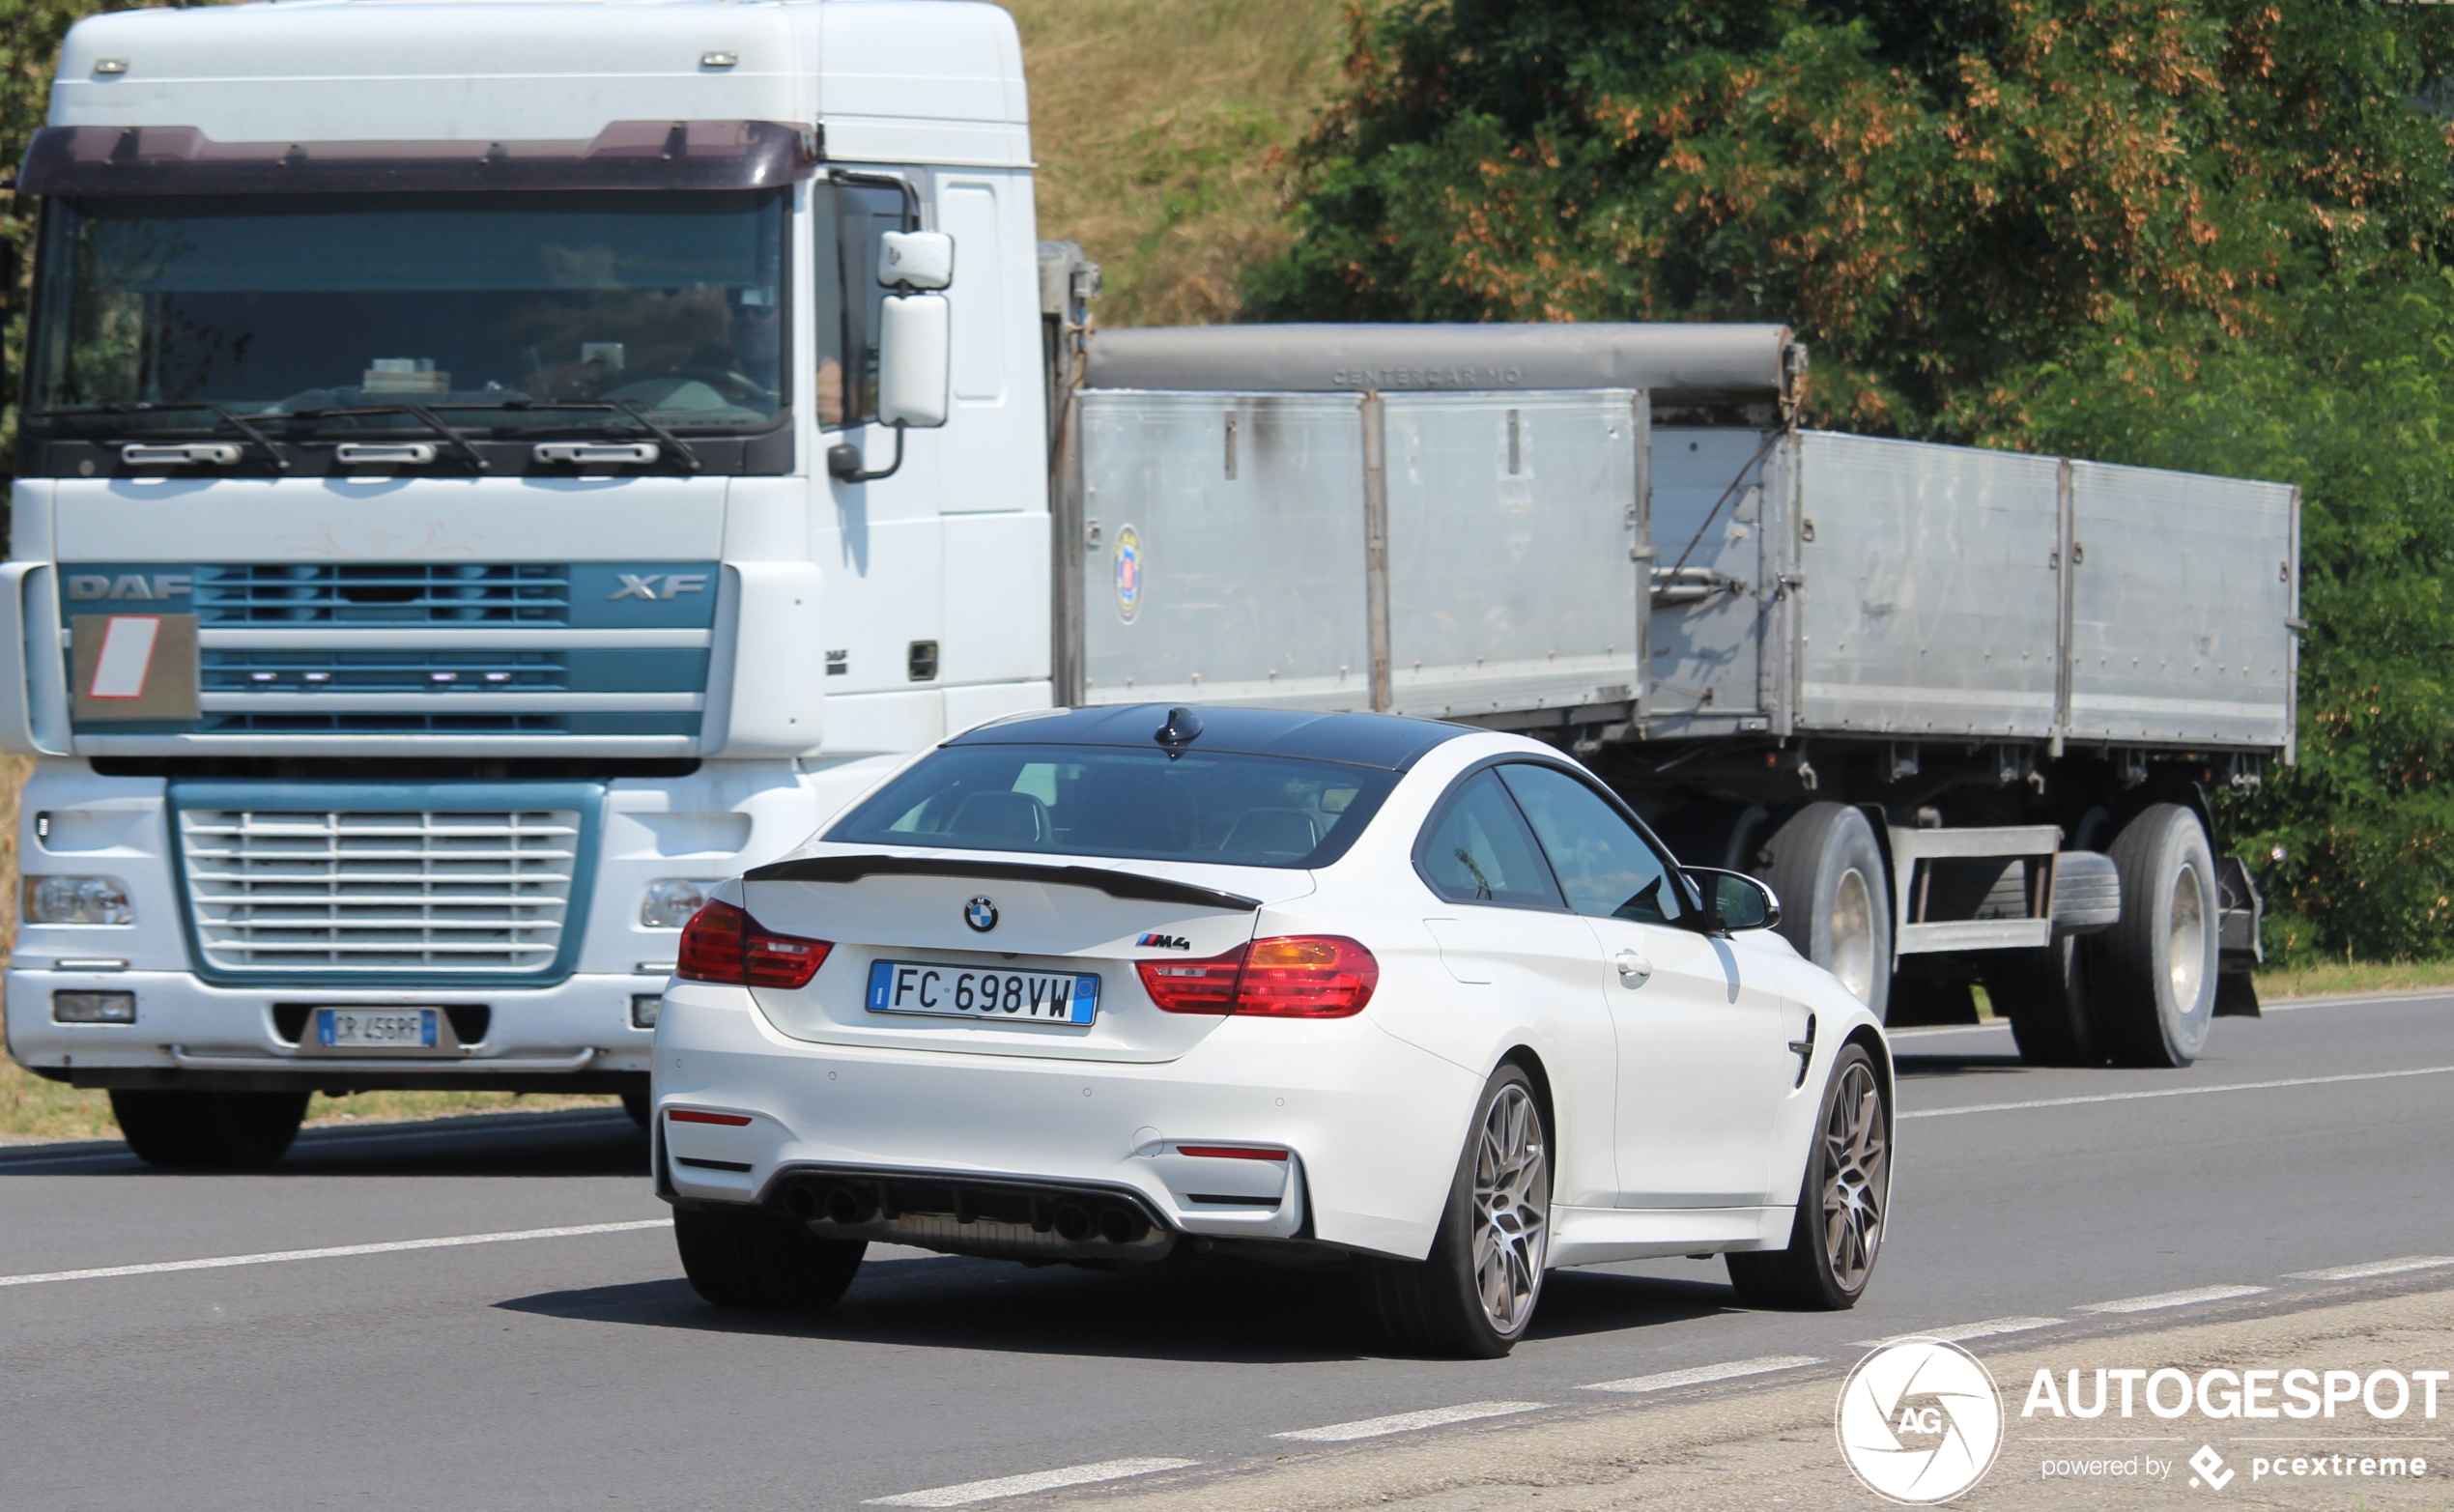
(1131, 985)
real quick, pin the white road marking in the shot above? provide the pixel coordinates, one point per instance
(2370, 1267)
(1700, 1375)
(2159, 1299)
(1408, 1422)
(972, 1491)
(332, 1252)
(1964, 1331)
(2176, 1092)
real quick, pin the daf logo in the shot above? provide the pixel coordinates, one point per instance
(643, 584)
(980, 914)
(130, 586)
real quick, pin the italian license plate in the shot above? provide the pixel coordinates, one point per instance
(1020, 997)
(374, 1028)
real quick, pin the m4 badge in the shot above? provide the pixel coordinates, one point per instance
(1163, 942)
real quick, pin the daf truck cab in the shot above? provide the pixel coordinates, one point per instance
(489, 471)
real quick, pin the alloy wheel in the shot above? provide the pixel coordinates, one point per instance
(1512, 1209)
(1857, 1177)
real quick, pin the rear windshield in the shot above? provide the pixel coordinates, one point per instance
(1246, 811)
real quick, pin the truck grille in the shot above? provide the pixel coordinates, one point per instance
(318, 893)
(453, 593)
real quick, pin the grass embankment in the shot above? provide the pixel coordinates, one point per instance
(1159, 129)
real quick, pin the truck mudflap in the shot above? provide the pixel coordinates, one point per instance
(2239, 948)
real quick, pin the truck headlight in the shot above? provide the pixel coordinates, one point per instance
(669, 901)
(77, 899)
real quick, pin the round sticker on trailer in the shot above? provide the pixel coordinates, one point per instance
(1129, 573)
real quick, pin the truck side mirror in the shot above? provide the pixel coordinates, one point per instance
(914, 353)
(916, 260)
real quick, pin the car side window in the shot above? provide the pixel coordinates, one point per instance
(1606, 867)
(1479, 850)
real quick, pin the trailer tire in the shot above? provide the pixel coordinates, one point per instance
(2044, 994)
(1827, 871)
(2153, 972)
(208, 1130)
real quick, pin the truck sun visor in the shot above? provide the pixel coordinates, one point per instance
(627, 155)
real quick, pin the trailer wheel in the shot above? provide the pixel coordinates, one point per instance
(2044, 994)
(2153, 973)
(1824, 867)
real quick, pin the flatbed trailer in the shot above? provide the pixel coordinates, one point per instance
(1962, 708)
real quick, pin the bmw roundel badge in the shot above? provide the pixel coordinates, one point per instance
(980, 914)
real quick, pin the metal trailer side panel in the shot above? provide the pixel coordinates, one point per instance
(1225, 548)
(1513, 519)
(1932, 592)
(2183, 600)
(1716, 490)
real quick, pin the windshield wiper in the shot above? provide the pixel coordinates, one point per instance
(146, 407)
(423, 414)
(681, 448)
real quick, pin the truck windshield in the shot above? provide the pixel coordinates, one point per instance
(480, 306)
(1250, 810)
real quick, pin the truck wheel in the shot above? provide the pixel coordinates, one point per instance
(1839, 1229)
(1475, 1295)
(2153, 972)
(750, 1257)
(1826, 869)
(208, 1130)
(2044, 994)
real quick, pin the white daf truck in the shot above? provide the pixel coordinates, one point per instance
(489, 471)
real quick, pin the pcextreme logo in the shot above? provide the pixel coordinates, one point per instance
(1919, 1422)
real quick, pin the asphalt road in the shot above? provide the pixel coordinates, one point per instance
(572, 1369)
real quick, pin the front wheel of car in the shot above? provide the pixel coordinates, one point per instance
(1842, 1204)
(757, 1259)
(1475, 1295)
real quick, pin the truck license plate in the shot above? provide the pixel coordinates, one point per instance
(374, 1028)
(1021, 997)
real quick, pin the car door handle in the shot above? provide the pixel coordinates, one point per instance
(1634, 968)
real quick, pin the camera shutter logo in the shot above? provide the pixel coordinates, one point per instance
(1919, 1422)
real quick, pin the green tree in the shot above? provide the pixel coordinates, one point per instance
(1937, 192)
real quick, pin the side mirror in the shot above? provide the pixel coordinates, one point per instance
(1733, 900)
(915, 260)
(914, 353)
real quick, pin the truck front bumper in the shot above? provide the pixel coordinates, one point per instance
(575, 1035)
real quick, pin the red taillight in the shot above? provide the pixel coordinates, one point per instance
(723, 944)
(1230, 1153)
(694, 1116)
(1193, 986)
(1292, 976)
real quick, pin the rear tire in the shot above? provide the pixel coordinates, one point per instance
(1843, 1203)
(1475, 1295)
(2153, 972)
(636, 1105)
(1827, 871)
(208, 1130)
(2044, 994)
(753, 1258)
